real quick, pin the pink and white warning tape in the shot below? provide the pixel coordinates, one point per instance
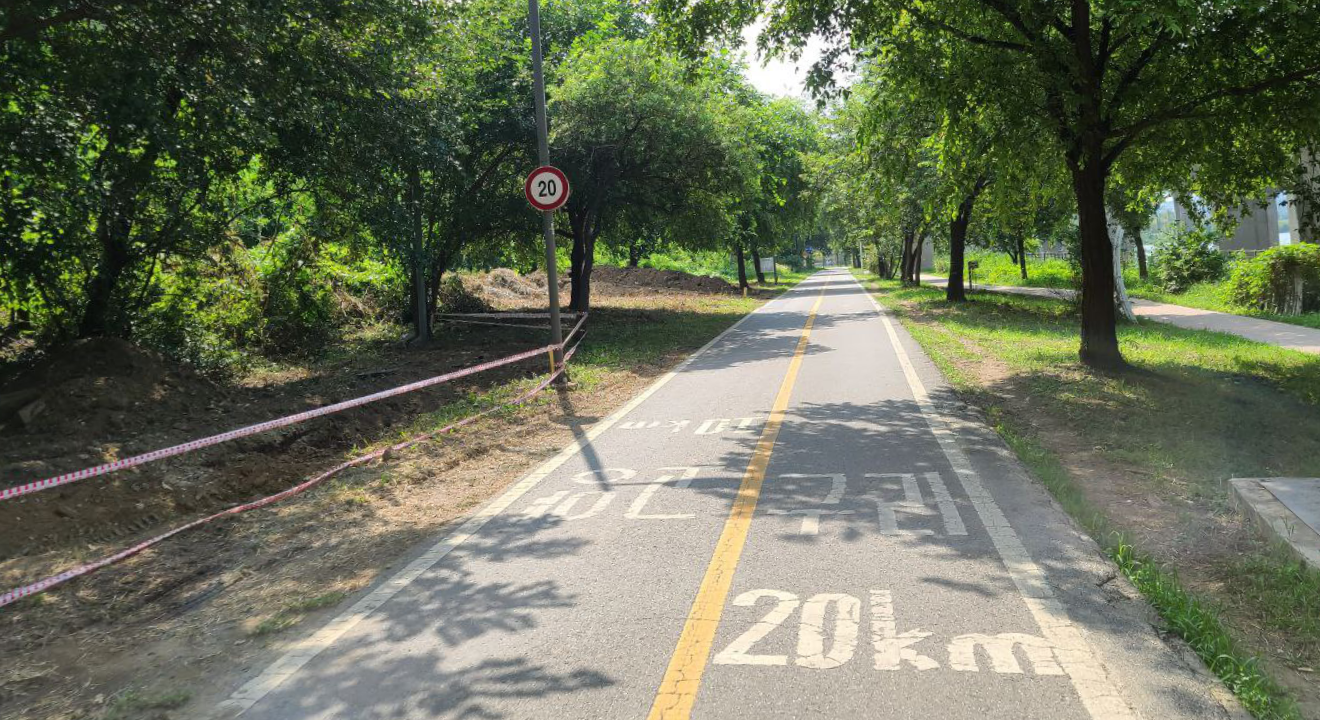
(58, 480)
(47, 583)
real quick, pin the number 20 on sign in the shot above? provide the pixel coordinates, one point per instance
(546, 188)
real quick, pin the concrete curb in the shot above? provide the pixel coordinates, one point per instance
(1273, 518)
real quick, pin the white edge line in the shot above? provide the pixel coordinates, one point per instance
(1089, 676)
(304, 650)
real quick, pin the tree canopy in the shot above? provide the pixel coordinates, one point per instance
(1218, 99)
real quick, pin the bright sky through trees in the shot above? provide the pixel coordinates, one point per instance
(778, 76)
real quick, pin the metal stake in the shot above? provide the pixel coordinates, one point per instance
(548, 216)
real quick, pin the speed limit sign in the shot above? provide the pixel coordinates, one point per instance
(546, 188)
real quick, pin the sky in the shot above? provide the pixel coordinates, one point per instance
(779, 77)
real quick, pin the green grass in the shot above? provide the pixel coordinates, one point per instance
(133, 704)
(1198, 623)
(294, 612)
(1202, 408)
(998, 269)
(717, 263)
(1211, 296)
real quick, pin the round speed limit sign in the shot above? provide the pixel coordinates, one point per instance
(546, 188)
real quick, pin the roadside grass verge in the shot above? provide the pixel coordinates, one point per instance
(1141, 460)
(999, 269)
(1211, 296)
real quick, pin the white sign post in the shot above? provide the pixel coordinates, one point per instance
(768, 266)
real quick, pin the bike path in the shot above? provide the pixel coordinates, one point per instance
(797, 522)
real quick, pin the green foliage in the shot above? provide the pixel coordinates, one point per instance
(1187, 257)
(1271, 280)
(999, 269)
(262, 187)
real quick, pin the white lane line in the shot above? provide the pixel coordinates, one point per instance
(953, 524)
(1090, 679)
(303, 651)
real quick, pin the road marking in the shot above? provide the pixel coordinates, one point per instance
(953, 524)
(810, 518)
(811, 636)
(678, 688)
(309, 647)
(999, 648)
(713, 427)
(737, 651)
(1089, 676)
(893, 648)
(639, 505)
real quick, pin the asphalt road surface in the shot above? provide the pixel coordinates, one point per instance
(798, 522)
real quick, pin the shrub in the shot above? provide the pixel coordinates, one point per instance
(1189, 257)
(300, 303)
(1282, 279)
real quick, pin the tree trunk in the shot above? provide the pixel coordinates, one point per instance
(905, 263)
(1142, 272)
(917, 250)
(756, 265)
(421, 317)
(581, 261)
(857, 257)
(634, 253)
(954, 291)
(113, 231)
(1099, 346)
(1120, 289)
(1022, 256)
(742, 268)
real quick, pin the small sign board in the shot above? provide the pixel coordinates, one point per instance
(767, 264)
(547, 188)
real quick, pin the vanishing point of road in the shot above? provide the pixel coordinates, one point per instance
(798, 522)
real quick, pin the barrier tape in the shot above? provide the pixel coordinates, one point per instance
(50, 582)
(514, 315)
(465, 321)
(66, 478)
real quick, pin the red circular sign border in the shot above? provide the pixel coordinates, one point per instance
(527, 187)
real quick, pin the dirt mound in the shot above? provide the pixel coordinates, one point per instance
(95, 385)
(503, 288)
(667, 279)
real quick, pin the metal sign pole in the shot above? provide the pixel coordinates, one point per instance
(547, 216)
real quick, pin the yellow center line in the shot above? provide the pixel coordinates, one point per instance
(678, 689)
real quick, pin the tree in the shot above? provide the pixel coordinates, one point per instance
(645, 141)
(1133, 213)
(1217, 93)
(129, 130)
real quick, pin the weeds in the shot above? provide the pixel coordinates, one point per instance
(134, 703)
(294, 612)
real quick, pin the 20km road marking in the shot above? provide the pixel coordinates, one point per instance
(1090, 678)
(678, 689)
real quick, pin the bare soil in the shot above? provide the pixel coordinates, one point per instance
(149, 637)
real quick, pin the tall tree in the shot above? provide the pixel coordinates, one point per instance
(125, 129)
(1231, 86)
(644, 138)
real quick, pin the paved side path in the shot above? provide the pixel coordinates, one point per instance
(796, 523)
(1293, 337)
